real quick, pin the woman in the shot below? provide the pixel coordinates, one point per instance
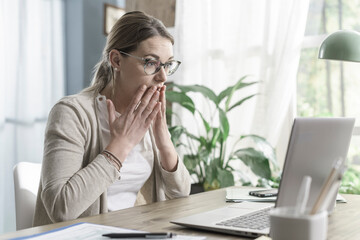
(108, 147)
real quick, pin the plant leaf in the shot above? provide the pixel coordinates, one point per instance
(231, 93)
(229, 89)
(238, 85)
(206, 124)
(265, 147)
(182, 99)
(351, 181)
(205, 91)
(203, 143)
(210, 173)
(193, 136)
(230, 168)
(215, 137)
(190, 161)
(216, 163)
(256, 160)
(175, 133)
(225, 177)
(224, 124)
(241, 101)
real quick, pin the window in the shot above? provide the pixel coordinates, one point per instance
(330, 88)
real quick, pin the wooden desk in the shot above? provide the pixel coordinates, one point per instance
(344, 223)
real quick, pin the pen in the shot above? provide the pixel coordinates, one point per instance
(159, 235)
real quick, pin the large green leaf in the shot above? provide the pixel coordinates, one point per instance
(241, 102)
(206, 124)
(256, 160)
(231, 93)
(230, 90)
(205, 91)
(190, 161)
(224, 124)
(182, 99)
(203, 154)
(205, 145)
(265, 147)
(225, 177)
(216, 163)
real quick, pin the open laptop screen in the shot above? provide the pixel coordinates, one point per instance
(314, 145)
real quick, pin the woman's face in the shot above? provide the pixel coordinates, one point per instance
(132, 75)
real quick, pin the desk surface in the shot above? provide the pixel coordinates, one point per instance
(344, 223)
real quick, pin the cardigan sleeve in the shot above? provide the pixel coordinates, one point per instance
(70, 184)
(170, 185)
(176, 184)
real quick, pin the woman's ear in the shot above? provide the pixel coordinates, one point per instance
(115, 59)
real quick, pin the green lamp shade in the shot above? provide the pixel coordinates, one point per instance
(342, 45)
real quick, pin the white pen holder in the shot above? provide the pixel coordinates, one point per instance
(285, 225)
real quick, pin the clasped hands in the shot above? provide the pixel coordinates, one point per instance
(147, 107)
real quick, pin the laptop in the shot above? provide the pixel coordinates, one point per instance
(314, 145)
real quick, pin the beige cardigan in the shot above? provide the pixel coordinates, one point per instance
(75, 177)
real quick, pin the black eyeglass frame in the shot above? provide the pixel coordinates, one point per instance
(146, 60)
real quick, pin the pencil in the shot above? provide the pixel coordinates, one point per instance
(325, 189)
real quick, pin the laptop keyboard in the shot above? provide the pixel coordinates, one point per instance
(255, 220)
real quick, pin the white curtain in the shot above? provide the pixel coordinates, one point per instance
(32, 80)
(220, 41)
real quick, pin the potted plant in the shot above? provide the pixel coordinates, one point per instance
(206, 153)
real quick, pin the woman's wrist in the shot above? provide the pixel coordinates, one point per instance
(119, 150)
(112, 159)
(169, 159)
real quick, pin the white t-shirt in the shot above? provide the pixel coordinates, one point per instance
(135, 170)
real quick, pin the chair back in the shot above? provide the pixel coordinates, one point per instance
(26, 184)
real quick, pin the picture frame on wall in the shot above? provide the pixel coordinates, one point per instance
(111, 14)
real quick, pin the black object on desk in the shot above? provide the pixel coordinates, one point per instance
(264, 193)
(140, 235)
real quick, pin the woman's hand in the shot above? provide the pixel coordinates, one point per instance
(127, 130)
(163, 141)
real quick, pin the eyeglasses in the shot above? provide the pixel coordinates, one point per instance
(152, 66)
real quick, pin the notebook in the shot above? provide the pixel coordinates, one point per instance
(241, 194)
(314, 144)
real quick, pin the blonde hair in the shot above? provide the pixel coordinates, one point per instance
(126, 35)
